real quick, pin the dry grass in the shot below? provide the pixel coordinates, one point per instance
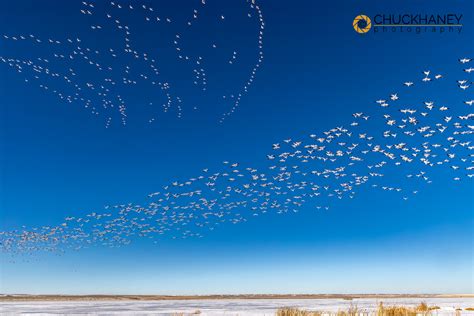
(296, 312)
(401, 310)
(352, 311)
(422, 309)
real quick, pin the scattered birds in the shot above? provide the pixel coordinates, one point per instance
(103, 71)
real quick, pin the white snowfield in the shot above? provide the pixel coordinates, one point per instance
(242, 307)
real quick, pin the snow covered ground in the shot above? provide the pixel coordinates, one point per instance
(218, 307)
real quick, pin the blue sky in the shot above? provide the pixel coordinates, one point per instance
(57, 160)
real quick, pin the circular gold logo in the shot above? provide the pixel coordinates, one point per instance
(362, 24)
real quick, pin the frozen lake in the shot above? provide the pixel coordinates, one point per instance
(244, 307)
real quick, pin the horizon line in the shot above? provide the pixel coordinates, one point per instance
(322, 295)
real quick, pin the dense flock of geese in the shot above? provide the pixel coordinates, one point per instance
(117, 60)
(397, 147)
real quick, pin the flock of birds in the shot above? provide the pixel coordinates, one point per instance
(114, 62)
(394, 148)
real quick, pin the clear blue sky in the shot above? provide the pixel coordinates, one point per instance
(57, 160)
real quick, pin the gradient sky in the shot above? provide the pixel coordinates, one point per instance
(57, 160)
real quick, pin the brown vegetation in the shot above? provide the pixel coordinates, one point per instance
(421, 310)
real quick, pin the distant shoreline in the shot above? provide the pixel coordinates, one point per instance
(92, 297)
